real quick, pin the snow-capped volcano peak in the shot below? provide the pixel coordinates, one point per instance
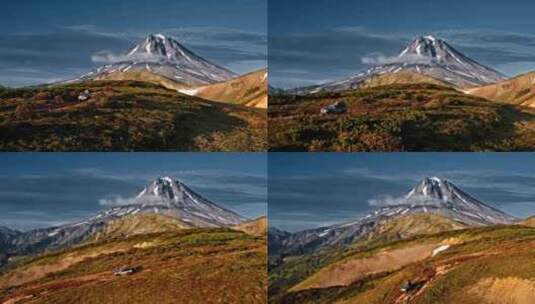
(171, 197)
(165, 56)
(165, 188)
(435, 57)
(432, 49)
(441, 196)
(160, 46)
(433, 187)
(426, 46)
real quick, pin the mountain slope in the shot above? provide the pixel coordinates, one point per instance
(410, 225)
(402, 77)
(164, 196)
(256, 227)
(141, 223)
(528, 222)
(427, 55)
(447, 267)
(142, 76)
(519, 90)
(431, 196)
(166, 57)
(186, 266)
(6, 235)
(249, 89)
(287, 271)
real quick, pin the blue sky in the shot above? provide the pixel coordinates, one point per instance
(45, 41)
(47, 189)
(317, 189)
(317, 41)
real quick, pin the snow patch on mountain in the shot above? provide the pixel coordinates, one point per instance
(439, 249)
(190, 92)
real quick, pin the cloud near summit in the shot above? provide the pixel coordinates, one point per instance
(380, 59)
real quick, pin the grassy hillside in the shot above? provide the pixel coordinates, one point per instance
(519, 90)
(124, 116)
(140, 224)
(473, 266)
(143, 76)
(416, 117)
(187, 266)
(255, 227)
(249, 89)
(404, 77)
(411, 225)
(295, 269)
(528, 222)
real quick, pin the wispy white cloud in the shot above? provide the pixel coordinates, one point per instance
(118, 200)
(108, 57)
(388, 200)
(379, 59)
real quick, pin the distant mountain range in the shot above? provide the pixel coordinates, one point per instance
(426, 55)
(163, 196)
(432, 196)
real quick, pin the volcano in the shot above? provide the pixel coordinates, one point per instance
(163, 196)
(163, 56)
(426, 55)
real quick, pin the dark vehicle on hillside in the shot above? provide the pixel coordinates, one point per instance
(338, 107)
(406, 286)
(410, 286)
